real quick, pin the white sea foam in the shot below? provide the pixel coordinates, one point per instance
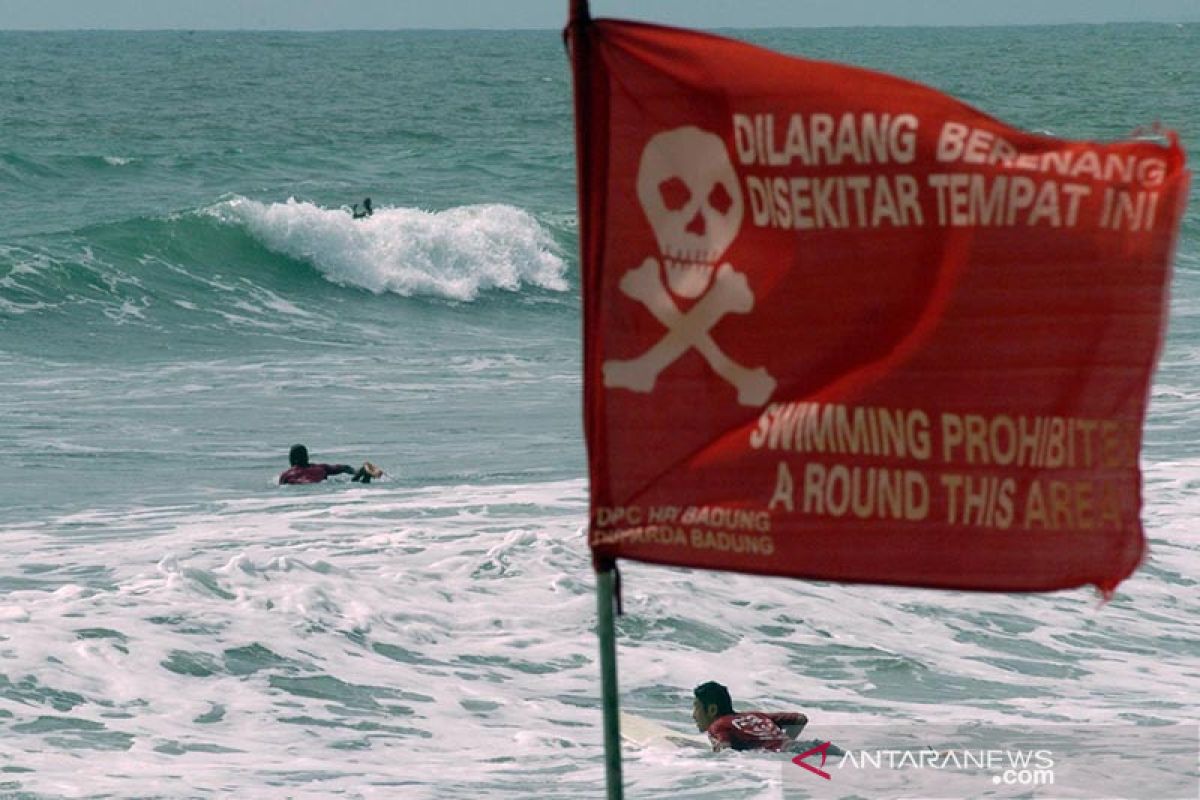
(455, 254)
(337, 641)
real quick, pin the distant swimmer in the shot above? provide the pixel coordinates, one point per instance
(712, 710)
(303, 472)
(366, 212)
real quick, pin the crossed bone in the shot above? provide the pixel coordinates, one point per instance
(729, 294)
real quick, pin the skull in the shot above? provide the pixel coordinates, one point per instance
(688, 189)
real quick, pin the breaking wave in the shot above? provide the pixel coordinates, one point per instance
(454, 254)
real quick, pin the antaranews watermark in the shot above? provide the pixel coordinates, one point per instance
(1137, 762)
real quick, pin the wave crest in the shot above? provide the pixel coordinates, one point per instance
(453, 254)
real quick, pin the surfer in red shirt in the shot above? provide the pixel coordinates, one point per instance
(301, 471)
(713, 712)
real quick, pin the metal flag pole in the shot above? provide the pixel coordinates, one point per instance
(606, 629)
(578, 19)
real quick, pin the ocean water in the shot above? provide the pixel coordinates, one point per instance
(183, 296)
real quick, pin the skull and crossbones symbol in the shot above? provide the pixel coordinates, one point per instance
(689, 192)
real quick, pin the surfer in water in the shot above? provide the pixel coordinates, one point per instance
(301, 471)
(366, 212)
(712, 710)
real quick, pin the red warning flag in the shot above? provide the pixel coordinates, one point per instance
(841, 326)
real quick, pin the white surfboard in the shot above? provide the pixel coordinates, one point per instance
(642, 732)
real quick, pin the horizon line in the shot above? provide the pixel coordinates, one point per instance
(497, 29)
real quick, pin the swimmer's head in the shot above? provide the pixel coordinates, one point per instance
(298, 456)
(711, 701)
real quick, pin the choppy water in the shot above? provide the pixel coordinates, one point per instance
(181, 299)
